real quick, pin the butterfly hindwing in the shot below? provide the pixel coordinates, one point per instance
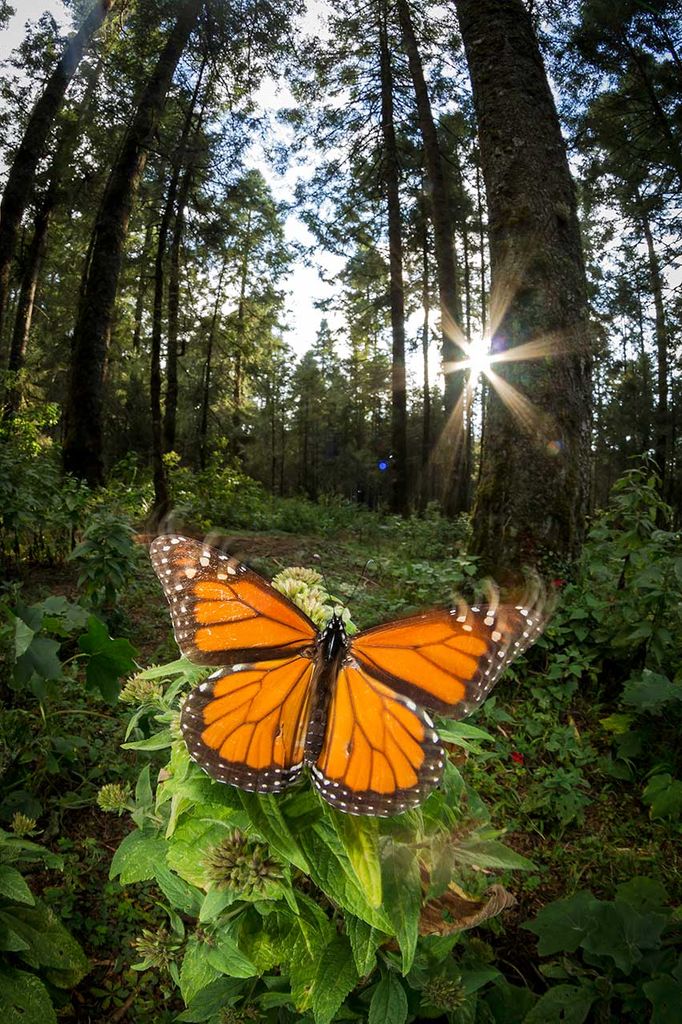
(448, 660)
(222, 612)
(247, 725)
(380, 754)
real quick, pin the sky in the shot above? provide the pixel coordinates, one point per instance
(304, 284)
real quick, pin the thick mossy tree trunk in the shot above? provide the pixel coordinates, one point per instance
(532, 495)
(391, 174)
(20, 179)
(84, 404)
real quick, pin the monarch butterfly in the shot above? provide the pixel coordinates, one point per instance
(288, 696)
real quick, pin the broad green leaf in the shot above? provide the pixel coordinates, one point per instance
(13, 886)
(209, 1001)
(665, 996)
(360, 840)
(50, 946)
(180, 894)
(330, 870)
(402, 896)
(652, 692)
(215, 901)
(196, 973)
(144, 796)
(562, 925)
(269, 941)
(23, 636)
(224, 954)
(24, 999)
(642, 894)
(267, 819)
(138, 857)
(109, 661)
(563, 1004)
(474, 978)
(335, 977)
(619, 932)
(10, 942)
(364, 941)
(664, 796)
(509, 1003)
(40, 659)
(196, 835)
(389, 1002)
(489, 853)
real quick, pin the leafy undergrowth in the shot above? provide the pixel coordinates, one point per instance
(576, 759)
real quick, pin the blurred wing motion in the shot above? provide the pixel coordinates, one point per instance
(223, 613)
(380, 753)
(448, 660)
(288, 696)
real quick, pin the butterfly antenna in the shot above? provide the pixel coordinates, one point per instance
(362, 578)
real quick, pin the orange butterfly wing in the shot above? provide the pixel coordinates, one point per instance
(222, 612)
(380, 754)
(448, 660)
(247, 725)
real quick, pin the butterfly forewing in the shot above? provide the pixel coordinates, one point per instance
(247, 725)
(448, 660)
(380, 753)
(222, 612)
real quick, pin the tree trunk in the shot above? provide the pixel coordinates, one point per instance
(142, 283)
(21, 176)
(27, 294)
(453, 348)
(533, 491)
(662, 445)
(83, 426)
(206, 391)
(399, 503)
(425, 489)
(161, 496)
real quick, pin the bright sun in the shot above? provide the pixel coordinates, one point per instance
(480, 357)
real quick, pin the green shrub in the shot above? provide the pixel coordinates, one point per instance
(38, 955)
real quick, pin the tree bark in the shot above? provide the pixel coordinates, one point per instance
(532, 496)
(399, 503)
(662, 445)
(453, 348)
(206, 390)
(84, 405)
(19, 187)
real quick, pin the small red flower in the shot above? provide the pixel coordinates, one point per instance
(558, 584)
(516, 757)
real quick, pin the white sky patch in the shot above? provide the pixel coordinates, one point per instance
(29, 10)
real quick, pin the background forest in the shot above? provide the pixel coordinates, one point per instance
(394, 279)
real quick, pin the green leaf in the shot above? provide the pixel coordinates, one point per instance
(23, 635)
(215, 901)
(267, 819)
(144, 796)
(209, 1001)
(159, 741)
(360, 840)
(109, 659)
(50, 947)
(643, 894)
(196, 973)
(180, 894)
(664, 795)
(402, 896)
(335, 977)
(24, 999)
(389, 1002)
(41, 659)
(138, 857)
(619, 932)
(561, 926)
(364, 941)
(224, 954)
(489, 853)
(665, 996)
(652, 692)
(509, 1003)
(563, 1004)
(13, 886)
